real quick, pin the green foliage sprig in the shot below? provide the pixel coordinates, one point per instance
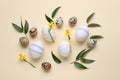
(89, 18)
(22, 29)
(81, 57)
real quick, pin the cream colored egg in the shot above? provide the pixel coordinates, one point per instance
(36, 49)
(59, 22)
(64, 48)
(46, 34)
(82, 33)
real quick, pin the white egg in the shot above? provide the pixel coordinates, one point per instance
(36, 49)
(82, 33)
(64, 48)
(46, 34)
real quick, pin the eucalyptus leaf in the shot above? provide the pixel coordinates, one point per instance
(79, 55)
(79, 65)
(96, 37)
(26, 27)
(55, 58)
(90, 17)
(94, 25)
(55, 11)
(48, 18)
(85, 53)
(87, 60)
(21, 25)
(17, 28)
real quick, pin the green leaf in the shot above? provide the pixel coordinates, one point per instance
(55, 58)
(21, 25)
(80, 66)
(96, 37)
(87, 60)
(18, 28)
(85, 53)
(94, 25)
(26, 27)
(79, 55)
(48, 18)
(90, 17)
(55, 11)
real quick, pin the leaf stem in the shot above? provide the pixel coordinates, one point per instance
(73, 61)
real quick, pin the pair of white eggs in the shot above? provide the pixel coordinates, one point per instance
(82, 33)
(64, 48)
(37, 49)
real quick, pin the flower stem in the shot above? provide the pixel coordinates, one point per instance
(69, 37)
(30, 63)
(51, 35)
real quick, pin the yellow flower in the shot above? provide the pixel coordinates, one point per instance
(67, 32)
(22, 56)
(51, 24)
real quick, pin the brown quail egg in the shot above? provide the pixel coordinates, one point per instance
(33, 32)
(72, 21)
(46, 66)
(24, 41)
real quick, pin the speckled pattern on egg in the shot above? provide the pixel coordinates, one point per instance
(36, 49)
(46, 34)
(59, 22)
(33, 32)
(72, 21)
(91, 43)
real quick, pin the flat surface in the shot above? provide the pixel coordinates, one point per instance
(106, 53)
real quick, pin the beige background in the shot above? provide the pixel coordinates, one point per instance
(106, 53)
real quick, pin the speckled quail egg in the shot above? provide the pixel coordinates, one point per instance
(24, 41)
(64, 48)
(91, 43)
(72, 21)
(59, 22)
(46, 34)
(82, 33)
(46, 66)
(36, 49)
(33, 32)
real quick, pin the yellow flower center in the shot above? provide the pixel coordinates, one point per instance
(67, 32)
(51, 24)
(22, 56)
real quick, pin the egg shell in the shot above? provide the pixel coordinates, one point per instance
(82, 33)
(72, 21)
(59, 22)
(46, 34)
(91, 43)
(36, 49)
(64, 48)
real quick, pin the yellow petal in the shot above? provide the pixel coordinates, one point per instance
(67, 32)
(21, 56)
(51, 24)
